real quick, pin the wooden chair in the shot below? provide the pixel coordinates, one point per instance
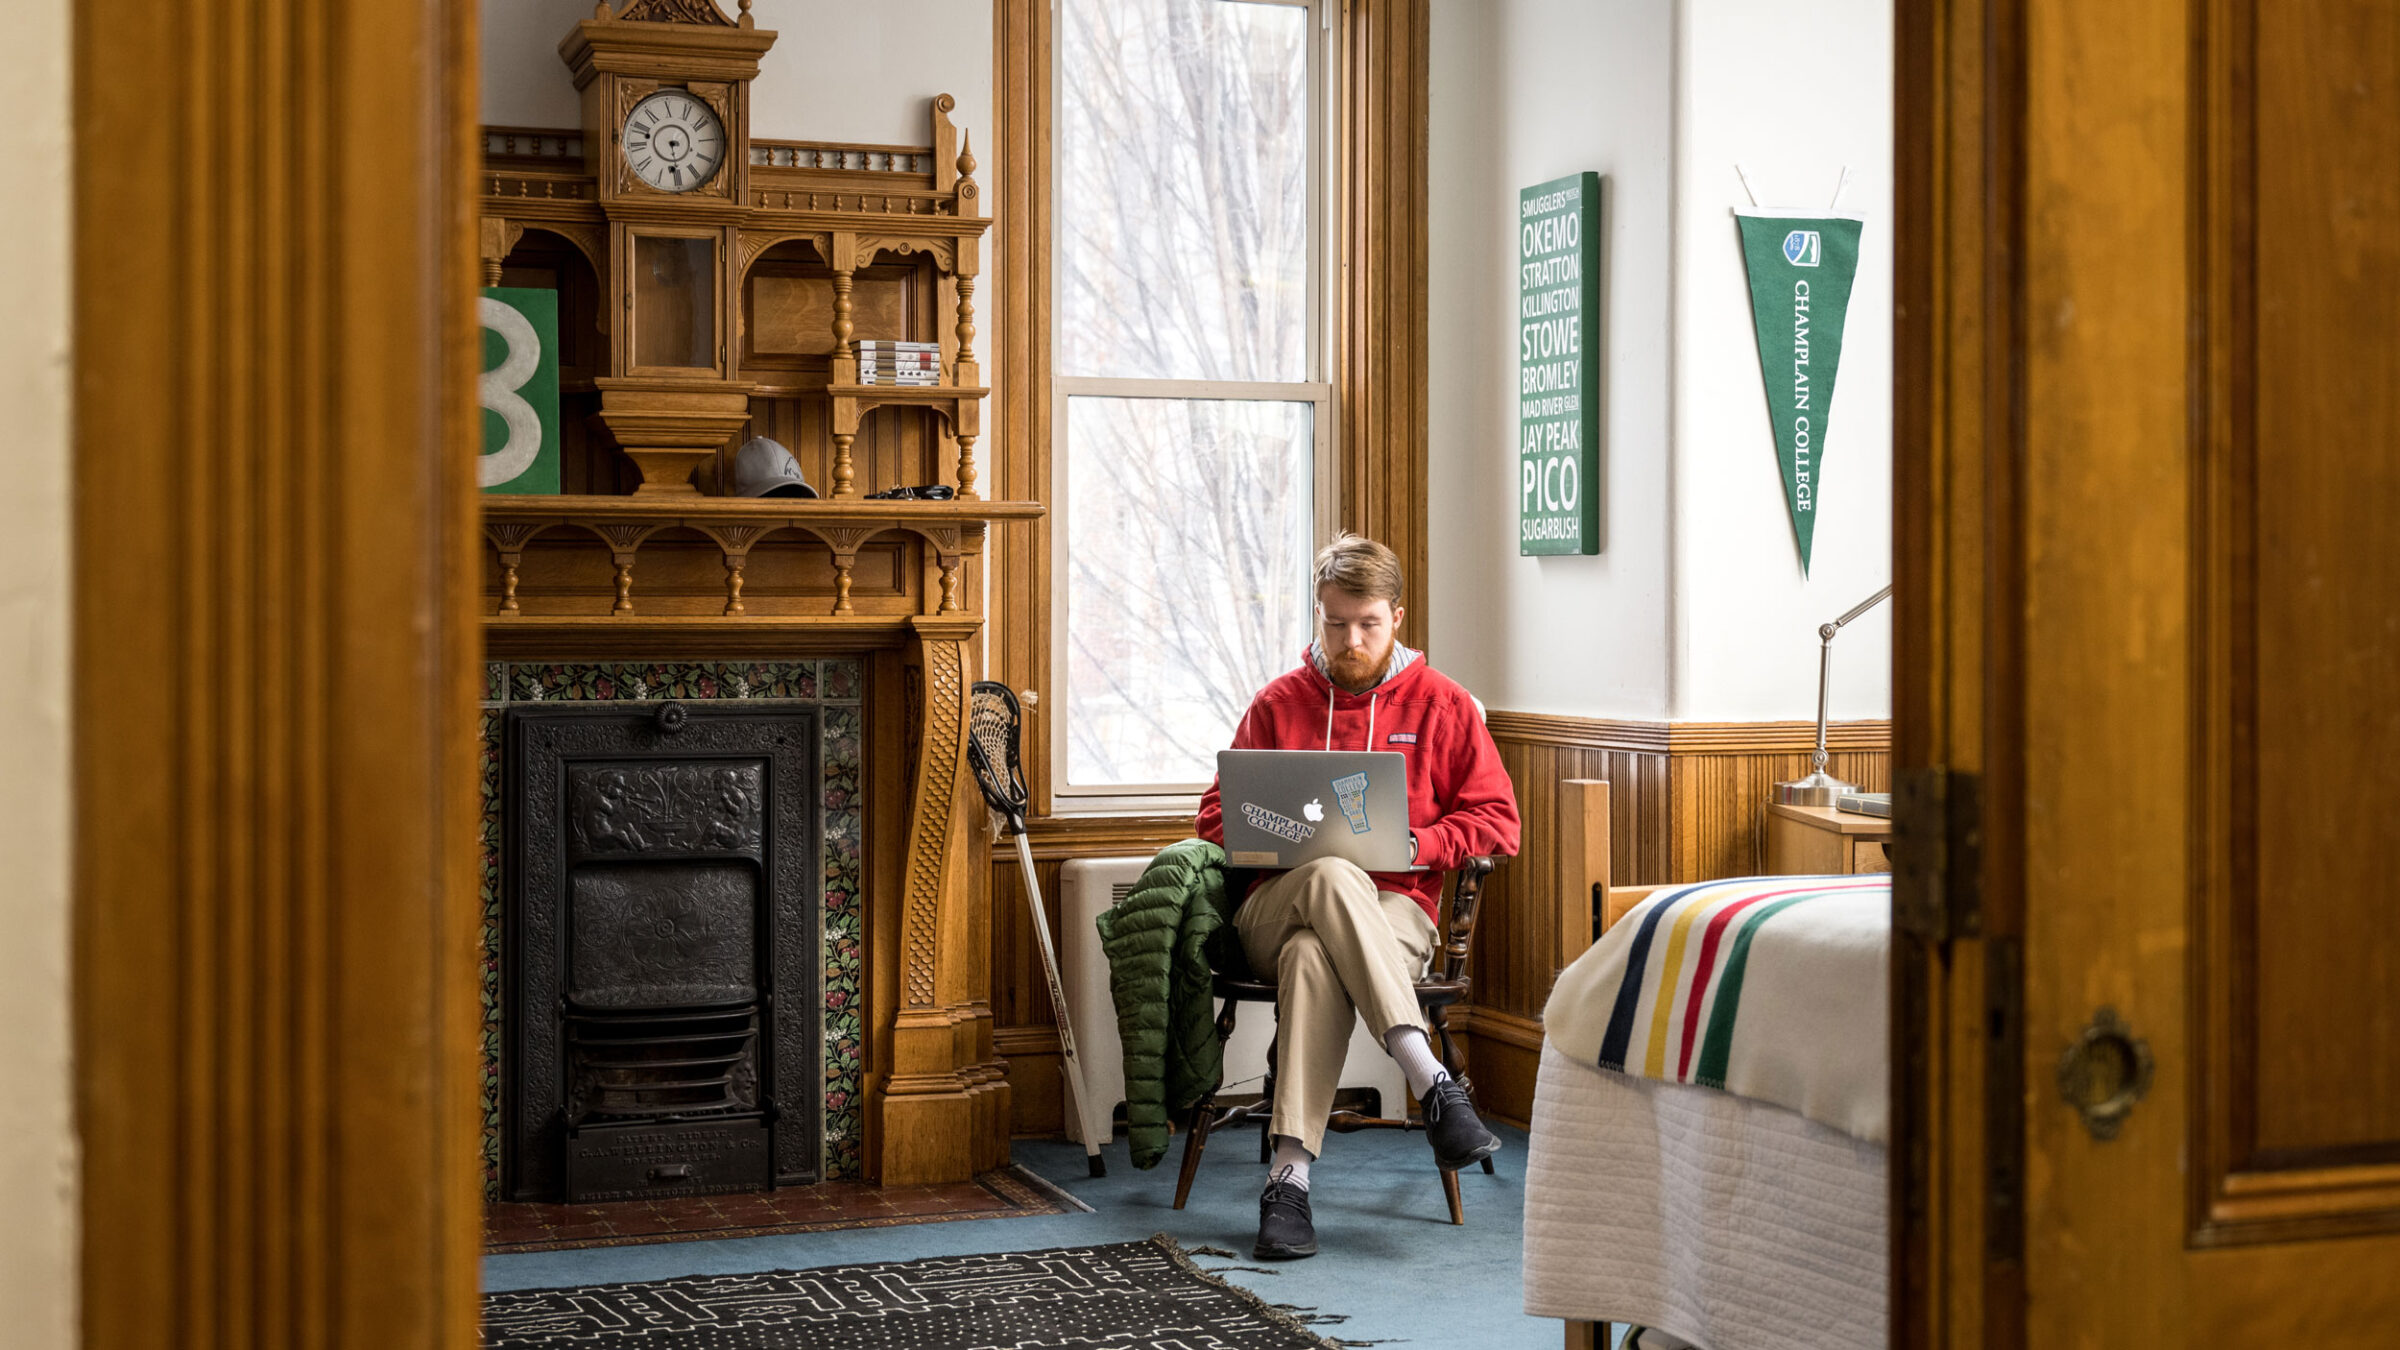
(1447, 984)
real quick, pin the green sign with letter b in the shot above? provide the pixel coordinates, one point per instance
(1558, 366)
(519, 390)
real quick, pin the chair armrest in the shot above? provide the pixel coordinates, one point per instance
(1466, 896)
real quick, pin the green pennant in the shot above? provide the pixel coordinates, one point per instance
(1801, 266)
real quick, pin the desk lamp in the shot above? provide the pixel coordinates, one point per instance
(1821, 788)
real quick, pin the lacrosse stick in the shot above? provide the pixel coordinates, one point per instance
(992, 751)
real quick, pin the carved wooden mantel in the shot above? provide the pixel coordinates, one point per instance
(691, 578)
(815, 248)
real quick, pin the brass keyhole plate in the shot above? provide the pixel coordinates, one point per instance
(2104, 1073)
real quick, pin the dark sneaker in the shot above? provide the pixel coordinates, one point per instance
(1459, 1139)
(1284, 1228)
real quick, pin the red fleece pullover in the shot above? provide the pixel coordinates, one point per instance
(1460, 803)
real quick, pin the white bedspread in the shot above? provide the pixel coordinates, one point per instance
(1732, 1223)
(1768, 987)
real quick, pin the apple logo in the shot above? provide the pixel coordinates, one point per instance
(1315, 810)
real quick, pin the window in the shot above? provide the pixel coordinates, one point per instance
(1193, 423)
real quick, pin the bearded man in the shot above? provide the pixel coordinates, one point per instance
(1341, 942)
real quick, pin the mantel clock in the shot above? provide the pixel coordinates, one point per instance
(666, 121)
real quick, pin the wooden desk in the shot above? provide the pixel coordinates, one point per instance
(1817, 840)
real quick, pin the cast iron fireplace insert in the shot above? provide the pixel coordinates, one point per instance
(663, 988)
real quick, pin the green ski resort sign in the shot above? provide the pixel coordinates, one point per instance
(1558, 366)
(1801, 265)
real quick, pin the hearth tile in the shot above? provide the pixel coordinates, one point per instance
(843, 679)
(495, 681)
(531, 681)
(490, 954)
(784, 679)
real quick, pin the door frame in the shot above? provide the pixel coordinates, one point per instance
(275, 663)
(1956, 1165)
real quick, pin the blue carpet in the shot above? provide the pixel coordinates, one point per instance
(1389, 1258)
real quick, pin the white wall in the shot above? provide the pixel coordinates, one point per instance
(38, 1164)
(840, 70)
(1792, 94)
(1524, 91)
(1696, 608)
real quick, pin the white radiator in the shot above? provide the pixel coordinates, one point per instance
(1088, 887)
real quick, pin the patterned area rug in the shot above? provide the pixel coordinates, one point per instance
(1125, 1296)
(1007, 1193)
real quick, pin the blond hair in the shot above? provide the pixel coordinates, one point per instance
(1359, 566)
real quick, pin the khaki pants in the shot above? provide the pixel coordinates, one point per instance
(1337, 949)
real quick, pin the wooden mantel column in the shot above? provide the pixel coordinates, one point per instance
(925, 1103)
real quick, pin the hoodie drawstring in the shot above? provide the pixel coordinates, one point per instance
(1371, 720)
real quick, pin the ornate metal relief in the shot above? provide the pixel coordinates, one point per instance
(670, 808)
(653, 937)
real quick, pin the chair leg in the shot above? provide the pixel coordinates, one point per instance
(1458, 1210)
(1195, 1141)
(1204, 1117)
(1266, 1122)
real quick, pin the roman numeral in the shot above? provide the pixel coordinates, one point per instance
(676, 172)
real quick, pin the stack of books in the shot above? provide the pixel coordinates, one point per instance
(900, 363)
(1865, 804)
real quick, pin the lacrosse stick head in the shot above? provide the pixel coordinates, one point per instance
(992, 723)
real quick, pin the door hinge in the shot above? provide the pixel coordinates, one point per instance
(1937, 854)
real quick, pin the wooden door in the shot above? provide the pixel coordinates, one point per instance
(2148, 719)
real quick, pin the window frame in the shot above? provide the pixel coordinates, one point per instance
(1323, 286)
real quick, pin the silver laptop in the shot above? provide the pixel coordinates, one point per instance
(1286, 807)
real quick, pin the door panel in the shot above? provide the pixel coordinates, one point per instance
(2149, 405)
(2314, 727)
(2300, 643)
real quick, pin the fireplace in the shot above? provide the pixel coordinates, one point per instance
(662, 904)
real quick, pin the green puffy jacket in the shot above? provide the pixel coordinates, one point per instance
(1163, 941)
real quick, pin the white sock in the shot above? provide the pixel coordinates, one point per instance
(1414, 1052)
(1291, 1162)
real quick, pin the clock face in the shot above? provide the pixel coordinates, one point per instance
(673, 141)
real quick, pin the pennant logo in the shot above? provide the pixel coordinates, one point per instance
(1803, 248)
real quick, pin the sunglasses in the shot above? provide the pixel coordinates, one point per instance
(929, 492)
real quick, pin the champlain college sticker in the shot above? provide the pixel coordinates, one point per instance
(1276, 823)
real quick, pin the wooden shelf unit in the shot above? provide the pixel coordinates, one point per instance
(949, 532)
(862, 241)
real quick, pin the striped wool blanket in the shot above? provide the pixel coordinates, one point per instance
(1766, 987)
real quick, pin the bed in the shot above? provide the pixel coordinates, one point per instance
(1709, 1124)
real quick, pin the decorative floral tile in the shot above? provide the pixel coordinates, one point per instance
(495, 681)
(491, 954)
(780, 679)
(840, 768)
(840, 764)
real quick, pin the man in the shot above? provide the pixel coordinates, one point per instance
(1340, 942)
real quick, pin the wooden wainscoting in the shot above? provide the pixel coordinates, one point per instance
(1686, 803)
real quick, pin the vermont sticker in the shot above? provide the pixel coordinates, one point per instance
(1351, 794)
